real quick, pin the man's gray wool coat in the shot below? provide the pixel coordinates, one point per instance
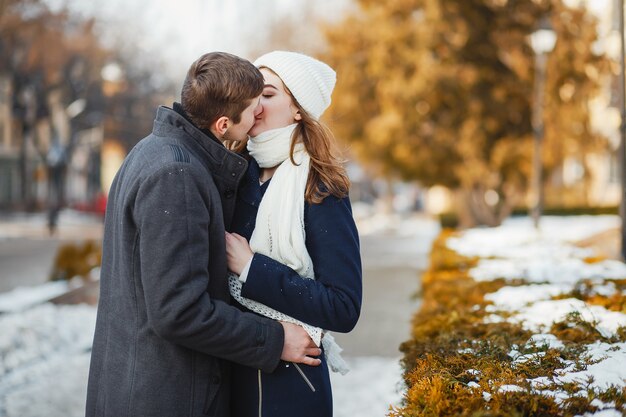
(165, 330)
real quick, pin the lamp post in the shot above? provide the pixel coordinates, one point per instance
(542, 41)
(622, 144)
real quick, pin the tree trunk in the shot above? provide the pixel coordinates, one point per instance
(473, 210)
(484, 214)
(388, 197)
(465, 217)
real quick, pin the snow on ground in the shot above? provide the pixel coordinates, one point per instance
(44, 358)
(550, 262)
(551, 265)
(518, 233)
(515, 298)
(540, 315)
(516, 250)
(533, 307)
(608, 371)
(605, 371)
(44, 363)
(604, 413)
(72, 224)
(22, 298)
(371, 386)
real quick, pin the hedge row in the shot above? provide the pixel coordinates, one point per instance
(456, 364)
(451, 220)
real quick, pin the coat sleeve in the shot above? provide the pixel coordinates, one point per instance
(172, 216)
(333, 300)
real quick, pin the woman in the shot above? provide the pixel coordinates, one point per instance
(303, 263)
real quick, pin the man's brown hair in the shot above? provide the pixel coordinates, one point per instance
(219, 84)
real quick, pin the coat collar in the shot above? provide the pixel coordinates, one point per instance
(251, 191)
(221, 162)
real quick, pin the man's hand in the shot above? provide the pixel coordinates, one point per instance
(238, 252)
(299, 347)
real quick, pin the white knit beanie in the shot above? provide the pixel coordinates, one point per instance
(310, 81)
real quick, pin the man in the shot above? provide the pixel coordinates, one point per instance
(165, 330)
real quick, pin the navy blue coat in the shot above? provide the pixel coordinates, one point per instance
(332, 301)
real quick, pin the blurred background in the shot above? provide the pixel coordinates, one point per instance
(454, 113)
(438, 104)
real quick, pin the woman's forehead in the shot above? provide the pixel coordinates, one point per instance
(272, 79)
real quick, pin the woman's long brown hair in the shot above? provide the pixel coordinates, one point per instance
(327, 176)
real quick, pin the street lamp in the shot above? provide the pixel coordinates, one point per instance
(622, 143)
(542, 41)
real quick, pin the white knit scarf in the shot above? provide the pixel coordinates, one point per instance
(279, 230)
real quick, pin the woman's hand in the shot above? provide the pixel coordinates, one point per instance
(238, 252)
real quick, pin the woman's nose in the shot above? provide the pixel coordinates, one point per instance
(258, 110)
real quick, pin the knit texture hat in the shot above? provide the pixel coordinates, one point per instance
(310, 81)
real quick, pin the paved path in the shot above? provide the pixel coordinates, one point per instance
(27, 250)
(25, 262)
(392, 263)
(391, 268)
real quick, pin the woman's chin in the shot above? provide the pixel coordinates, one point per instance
(255, 131)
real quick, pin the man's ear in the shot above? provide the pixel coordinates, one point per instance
(220, 126)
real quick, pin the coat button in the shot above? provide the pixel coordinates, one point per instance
(229, 193)
(233, 174)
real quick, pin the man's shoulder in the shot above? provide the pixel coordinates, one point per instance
(164, 150)
(155, 156)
